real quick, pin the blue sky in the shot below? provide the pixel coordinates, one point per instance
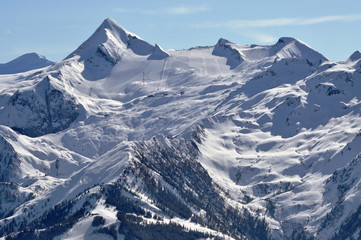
(56, 28)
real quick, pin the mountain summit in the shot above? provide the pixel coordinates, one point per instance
(108, 44)
(288, 47)
(111, 40)
(125, 140)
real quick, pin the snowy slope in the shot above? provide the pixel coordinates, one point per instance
(123, 139)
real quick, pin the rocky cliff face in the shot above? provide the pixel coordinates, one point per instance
(9, 161)
(40, 110)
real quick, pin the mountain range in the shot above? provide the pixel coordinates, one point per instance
(125, 140)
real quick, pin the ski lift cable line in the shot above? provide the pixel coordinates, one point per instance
(146, 77)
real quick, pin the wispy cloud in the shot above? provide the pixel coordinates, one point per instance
(278, 22)
(336, 18)
(248, 26)
(259, 37)
(188, 10)
(181, 10)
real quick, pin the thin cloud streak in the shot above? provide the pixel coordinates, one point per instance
(338, 18)
(279, 22)
(188, 10)
(260, 37)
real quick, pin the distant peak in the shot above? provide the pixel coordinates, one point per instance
(228, 49)
(355, 56)
(26, 62)
(288, 47)
(32, 54)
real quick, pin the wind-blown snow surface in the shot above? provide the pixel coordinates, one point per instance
(124, 139)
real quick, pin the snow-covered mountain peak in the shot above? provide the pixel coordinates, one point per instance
(285, 48)
(230, 51)
(111, 35)
(106, 47)
(112, 27)
(288, 47)
(24, 63)
(111, 23)
(33, 56)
